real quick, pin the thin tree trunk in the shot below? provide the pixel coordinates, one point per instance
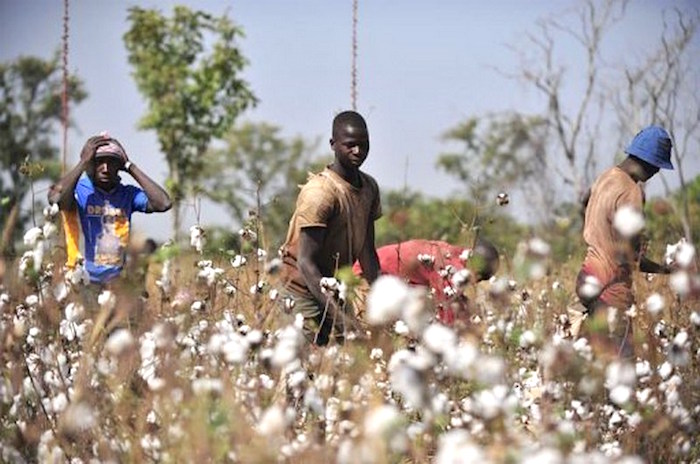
(7, 245)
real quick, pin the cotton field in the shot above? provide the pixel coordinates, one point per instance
(211, 365)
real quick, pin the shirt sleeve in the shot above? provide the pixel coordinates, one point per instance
(140, 200)
(80, 193)
(315, 205)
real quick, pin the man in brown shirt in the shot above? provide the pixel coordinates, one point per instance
(332, 226)
(605, 279)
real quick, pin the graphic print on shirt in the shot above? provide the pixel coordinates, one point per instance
(110, 245)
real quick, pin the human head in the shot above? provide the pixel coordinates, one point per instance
(651, 148)
(350, 140)
(484, 260)
(104, 168)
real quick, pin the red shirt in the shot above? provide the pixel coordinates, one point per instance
(428, 263)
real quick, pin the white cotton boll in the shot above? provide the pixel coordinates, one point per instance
(59, 402)
(273, 422)
(4, 302)
(286, 350)
(665, 370)
(655, 304)
(78, 275)
(119, 342)
(685, 255)
(680, 254)
(539, 247)
(460, 278)
(680, 283)
(498, 285)
(74, 312)
(78, 417)
(107, 300)
(313, 401)
(527, 339)
(207, 386)
(197, 306)
(248, 234)
(462, 360)
(628, 221)
(386, 299)
(620, 394)
(620, 379)
(487, 403)
(439, 338)
(31, 300)
(235, 350)
(409, 383)
(590, 288)
(491, 370)
(400, 328)
(197, 238)
(50, 230)
(51, 211)
(466, 254)
(230, 290)
(61, 291)
(415, 312)
(386, 422)
(32, 236)
(238, 261)
(695, 318)
(254, 337)
(547, 455)
(456, 446)
(261, 254)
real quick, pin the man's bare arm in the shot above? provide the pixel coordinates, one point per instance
(368, 256)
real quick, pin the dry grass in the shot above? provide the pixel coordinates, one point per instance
(203, 376)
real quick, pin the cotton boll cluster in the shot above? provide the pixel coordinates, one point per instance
(390, 299)
(198, 238)
(628, 221)
(233, 364)
(334, 288)
(208, 273)
(680, 255)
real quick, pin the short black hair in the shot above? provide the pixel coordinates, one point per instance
(348, 117)
(485, 257)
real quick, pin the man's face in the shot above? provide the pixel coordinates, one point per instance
(104, 171)
(351, 145)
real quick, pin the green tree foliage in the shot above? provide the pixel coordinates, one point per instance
(664, 225)
(30, 110)
(259, 171)
(408, 215)
(189, 67)
(496, 153)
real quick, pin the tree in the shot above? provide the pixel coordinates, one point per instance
(407, 215)
(498, 153)
(189, 68)
(30, 109)
(574, 122)
(663, 89)
(259, 171)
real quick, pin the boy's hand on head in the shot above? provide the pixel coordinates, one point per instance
(91, 146)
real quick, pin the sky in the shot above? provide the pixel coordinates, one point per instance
(423, 66)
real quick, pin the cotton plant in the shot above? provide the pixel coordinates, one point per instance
(198, 238)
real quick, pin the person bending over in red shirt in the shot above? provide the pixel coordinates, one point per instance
(441, 267)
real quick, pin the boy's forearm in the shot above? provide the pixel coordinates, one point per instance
(158, 198)
(61, 192)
